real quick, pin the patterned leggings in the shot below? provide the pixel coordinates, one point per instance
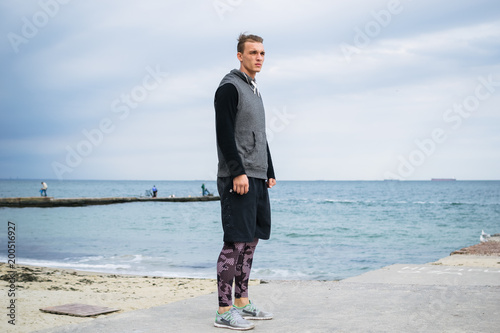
(234, 263)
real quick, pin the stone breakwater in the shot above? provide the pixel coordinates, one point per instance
(76, 202)
(489, 248)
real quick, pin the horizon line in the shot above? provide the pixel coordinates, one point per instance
(287, 180)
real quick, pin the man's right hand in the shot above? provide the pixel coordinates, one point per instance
(240, 184)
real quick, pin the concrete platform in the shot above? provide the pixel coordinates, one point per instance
(397, 298)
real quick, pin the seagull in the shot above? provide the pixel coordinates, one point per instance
(484, 237)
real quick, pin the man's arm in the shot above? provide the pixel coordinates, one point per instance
(226, 107)
(226, 103)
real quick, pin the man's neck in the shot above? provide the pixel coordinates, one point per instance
(251, 75)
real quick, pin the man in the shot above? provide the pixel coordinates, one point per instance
(204, 190)
(245, 172)
(43, 190)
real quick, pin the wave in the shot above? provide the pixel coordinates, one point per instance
(95, 267)
(341, 201)
(126, 264)
(302, 235)
(402, 202)
(279, 274)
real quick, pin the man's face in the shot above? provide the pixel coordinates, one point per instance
(252, 58)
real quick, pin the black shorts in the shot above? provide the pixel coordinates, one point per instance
(245, 217)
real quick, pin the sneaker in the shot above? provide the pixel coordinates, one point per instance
(250, 311)
(232, 319)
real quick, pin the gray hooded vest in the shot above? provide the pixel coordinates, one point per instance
(249, 128)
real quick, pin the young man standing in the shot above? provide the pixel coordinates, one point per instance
(245, 173)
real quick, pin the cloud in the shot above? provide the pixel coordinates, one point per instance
(352, 118)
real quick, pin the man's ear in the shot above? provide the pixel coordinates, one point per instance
(239, 56)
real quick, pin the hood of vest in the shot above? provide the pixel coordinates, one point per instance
(243, 76)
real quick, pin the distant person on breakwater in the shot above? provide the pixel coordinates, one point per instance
(43, 190)
(204, 190)
(155, 191)
(245, 173)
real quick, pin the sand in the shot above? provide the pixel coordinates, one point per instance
(485, 254)
(470, 261)
(40, 287)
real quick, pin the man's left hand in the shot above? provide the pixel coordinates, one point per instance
(271, 182)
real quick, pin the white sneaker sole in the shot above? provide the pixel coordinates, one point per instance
(257, 318)
(234, 328)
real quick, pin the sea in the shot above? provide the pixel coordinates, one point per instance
(321, 230)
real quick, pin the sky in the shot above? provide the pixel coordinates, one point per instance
(353, 90)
